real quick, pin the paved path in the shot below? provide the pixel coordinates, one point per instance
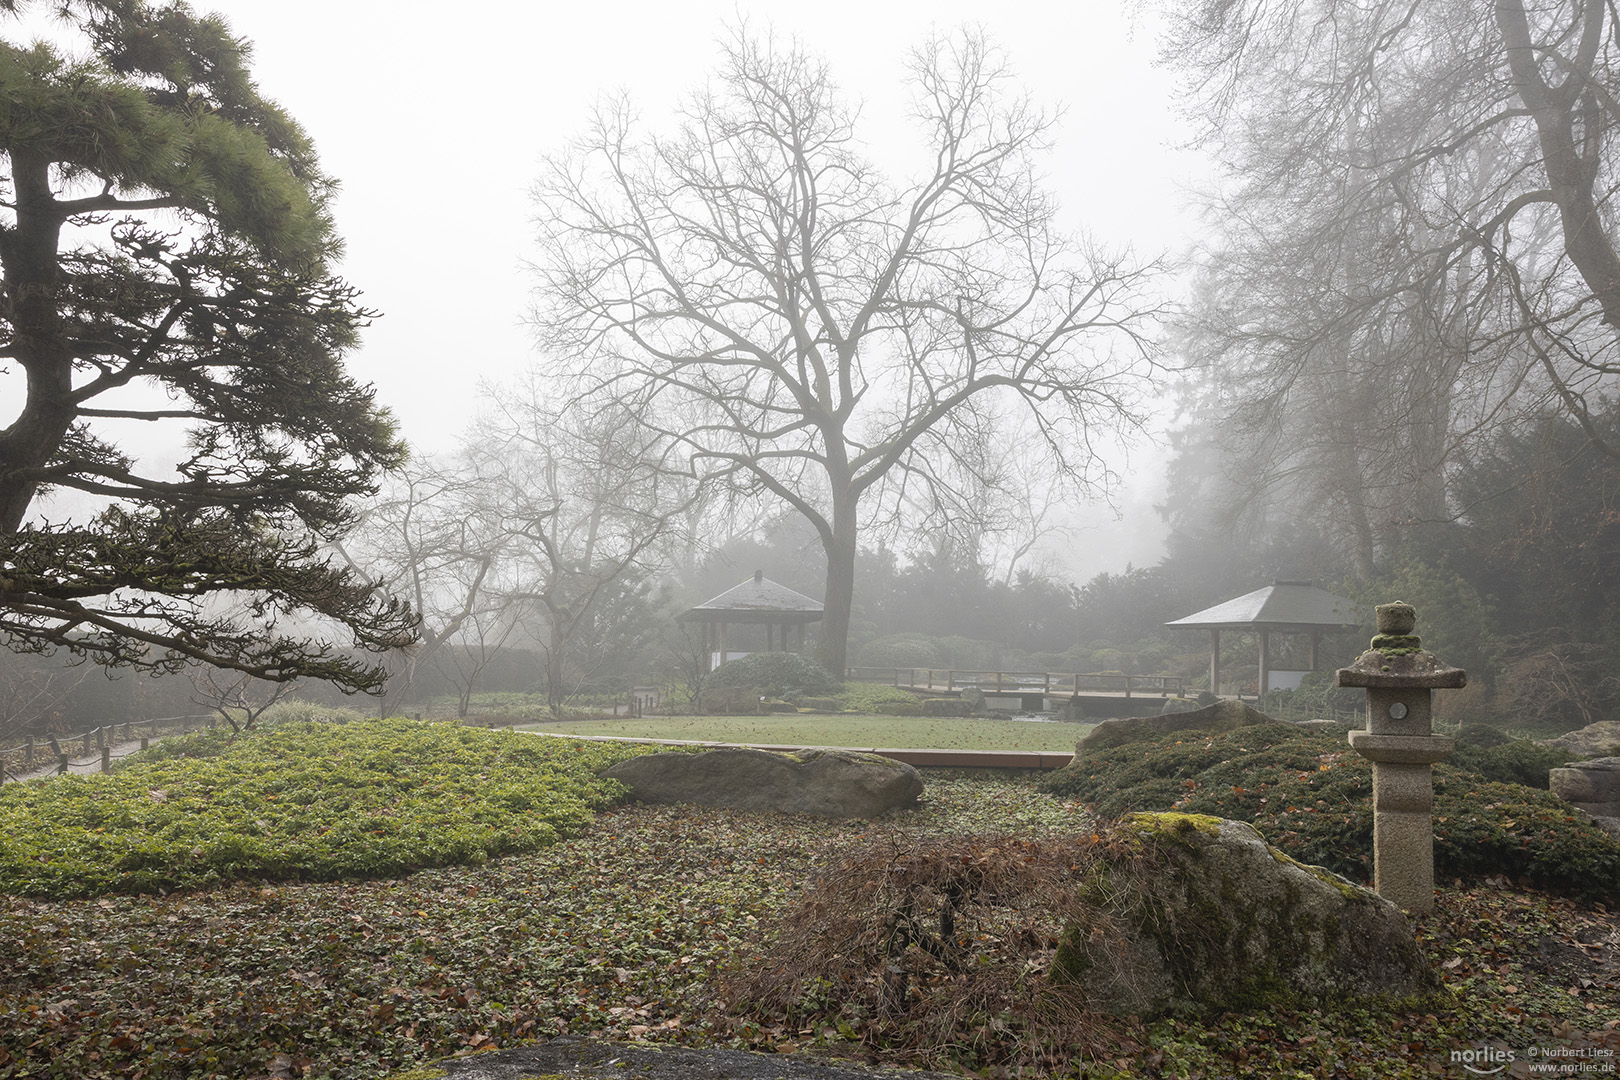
(78, 764)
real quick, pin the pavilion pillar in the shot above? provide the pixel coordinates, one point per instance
(1265, 660)
(1215, 662)
(1316, 637)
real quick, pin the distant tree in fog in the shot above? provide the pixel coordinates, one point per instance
(592, 504)
(811, 331)
(435, 540)
(1414, 244)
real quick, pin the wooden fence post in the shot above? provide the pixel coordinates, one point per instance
(28, 753)
(106, 758)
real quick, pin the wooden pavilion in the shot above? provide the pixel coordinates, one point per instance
(1283, 607)
(757, 601)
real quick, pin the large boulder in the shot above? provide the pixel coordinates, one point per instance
(830, 783)
(1189, 914)
(1221, 716)
(1593, 740)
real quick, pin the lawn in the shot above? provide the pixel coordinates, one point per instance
(894, 732)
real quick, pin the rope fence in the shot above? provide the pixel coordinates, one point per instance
(92, 750)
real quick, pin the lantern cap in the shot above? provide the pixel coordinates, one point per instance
(1397, 659)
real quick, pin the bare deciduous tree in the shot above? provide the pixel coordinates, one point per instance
(1414, 243)
(434, 540)
(238, 697)
(591, 504)
(810, 331)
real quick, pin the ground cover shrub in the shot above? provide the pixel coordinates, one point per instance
(309, 712)
(1311, 795)
(775, 674)
(1497, 756)
(621, 933)
(315, 802)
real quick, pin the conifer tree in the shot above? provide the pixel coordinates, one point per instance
(166, 248)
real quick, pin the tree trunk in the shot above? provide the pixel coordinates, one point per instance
(38, 342)
(839, 598)
(554, 662)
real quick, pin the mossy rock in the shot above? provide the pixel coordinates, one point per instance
(1190, 914)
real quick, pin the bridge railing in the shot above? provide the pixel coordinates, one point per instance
(954, 680)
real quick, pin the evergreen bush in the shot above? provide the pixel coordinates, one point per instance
(1310, 794)
(775, 674)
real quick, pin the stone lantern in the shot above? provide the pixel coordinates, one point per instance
(1400, 679)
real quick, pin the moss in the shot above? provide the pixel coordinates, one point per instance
(1320, 873)
(424, 1072)
(1397, 644)
(1169, 825)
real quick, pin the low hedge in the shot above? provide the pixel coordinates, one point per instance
(314, 802)
(1311, 795)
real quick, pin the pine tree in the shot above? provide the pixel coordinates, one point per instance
(166, 246)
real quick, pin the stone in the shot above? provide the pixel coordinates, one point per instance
(1178, 705)
(1190, 914)
(1321, 725)
(1592, 787)
(1596, 739)
(828, 783)
(1221, 716)
(1596, 781)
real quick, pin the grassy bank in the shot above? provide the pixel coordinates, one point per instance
(897, 732)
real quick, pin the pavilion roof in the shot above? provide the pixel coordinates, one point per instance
(756, 599)
(1282, 605)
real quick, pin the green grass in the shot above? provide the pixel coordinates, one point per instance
(893, 732)
(314, 802)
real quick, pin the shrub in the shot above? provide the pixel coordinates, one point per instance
(775, 674)
(938, 947)
(316, 802)
(945, 707)
(866, 697)
(1311, 795)
(1495, 756)
(821, 704)
(902, 651)
(901, 708)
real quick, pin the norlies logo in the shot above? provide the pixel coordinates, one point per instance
(1483, 1061)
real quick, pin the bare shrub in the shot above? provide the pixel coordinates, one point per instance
(939, 950)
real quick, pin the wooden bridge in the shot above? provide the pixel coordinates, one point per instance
(1031, 686)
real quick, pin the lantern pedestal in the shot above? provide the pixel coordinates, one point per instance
(1400, 680)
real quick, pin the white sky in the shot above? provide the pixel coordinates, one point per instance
(435, 117)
